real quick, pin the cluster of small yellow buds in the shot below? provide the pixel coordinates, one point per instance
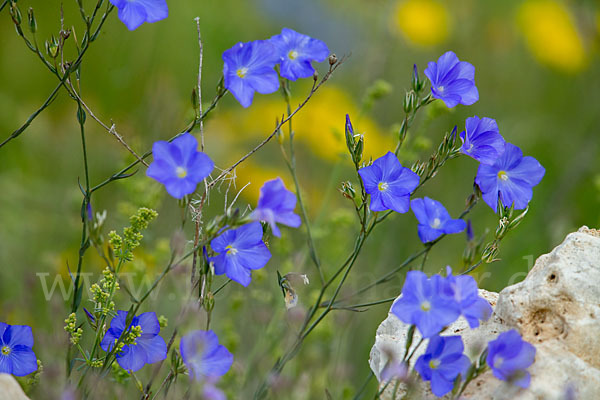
(163, 321)
(97, 363)
(70, 322)
(99, 296)
(109, 280)
(132, 237)
(76, 336)
(134, 333)
(115, 241)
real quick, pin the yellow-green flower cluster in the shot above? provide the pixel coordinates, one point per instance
(123, 246)
(102, 293)
(129, 339)
(70, 327)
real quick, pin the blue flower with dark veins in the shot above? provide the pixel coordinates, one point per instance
(389, 184)
(250, 67)
(239, 252)
(276, 206)
(511, 177)
(482, 140)
(134, 13)
(509, 356)
(426, 303)
(296, 52)
(434, 220)
(147, 348)
(442, 362)
(452, 80)
(179, 165)
(16, 356)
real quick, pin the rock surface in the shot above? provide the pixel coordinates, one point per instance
(10, 389)
(556, 308)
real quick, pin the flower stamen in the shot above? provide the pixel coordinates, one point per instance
(241, 72)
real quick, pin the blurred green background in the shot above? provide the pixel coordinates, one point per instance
(538, 75)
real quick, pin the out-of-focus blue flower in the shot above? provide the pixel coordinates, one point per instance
(211, 392)
(203, 356)
(442, 362)
(389, 184)
(482, 140)
(276, 206)
(509, 356)
(250, 67)
(465, 292)
(296, 51)
(241, 250)
(147, 349)
(434, 220)
(452, 80)
(134, 13)
(393, 370)
(426, 303)
(16, 356)
(512, 175)
(179, 165)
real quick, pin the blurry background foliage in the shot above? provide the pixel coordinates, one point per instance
(538, 75)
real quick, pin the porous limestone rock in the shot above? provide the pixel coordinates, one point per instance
(556, 308)
(10, 389)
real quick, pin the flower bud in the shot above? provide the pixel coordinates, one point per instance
(333, 59)
(32, 21)
(15, 13)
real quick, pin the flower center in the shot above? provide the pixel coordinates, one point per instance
(383, 186)
(470, 148)
(231, 250)
(5, 350)
(293, 54)
(435, 224)
(181, 172)
(425, 306)
(498, 361)
(241, 72)
(502, 175)
(440, 89)
(433, 364)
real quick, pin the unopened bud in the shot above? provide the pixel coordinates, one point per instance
(32, 21)
(316, 75)
(15, 13)
(333, 59)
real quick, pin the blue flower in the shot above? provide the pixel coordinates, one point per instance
(509, 356)
(464, 290)
(16, 356)
(296, 51)
(426, 304)
(434, 220)
(147, 348)
(512, 175)
(241, 250)
(134, 13)
(276, 206)
(203, 356)
(389, 184)
(442, 362)
(452, 80)
(250, 67)
(179, 165)
(482, 140)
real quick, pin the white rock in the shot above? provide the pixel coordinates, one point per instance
(556, 308)
(10, 389)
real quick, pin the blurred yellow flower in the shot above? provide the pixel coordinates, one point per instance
(551, 34)
(320, 126)
(422, 22)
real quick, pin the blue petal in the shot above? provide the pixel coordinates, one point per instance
(454, 226)
(218, 362)
(178, 188)
(199, 167)
(132, 15)
(24, 361)
(240, 88)
(18, 335)
(439, 385)
(254, 257)
(155, 348)
(5, 364)
(149, 324)
(428, 234)
(132, 358)
(248, 235)
(529, 171)
(400, 204)
(371, 176)
(156, 10)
